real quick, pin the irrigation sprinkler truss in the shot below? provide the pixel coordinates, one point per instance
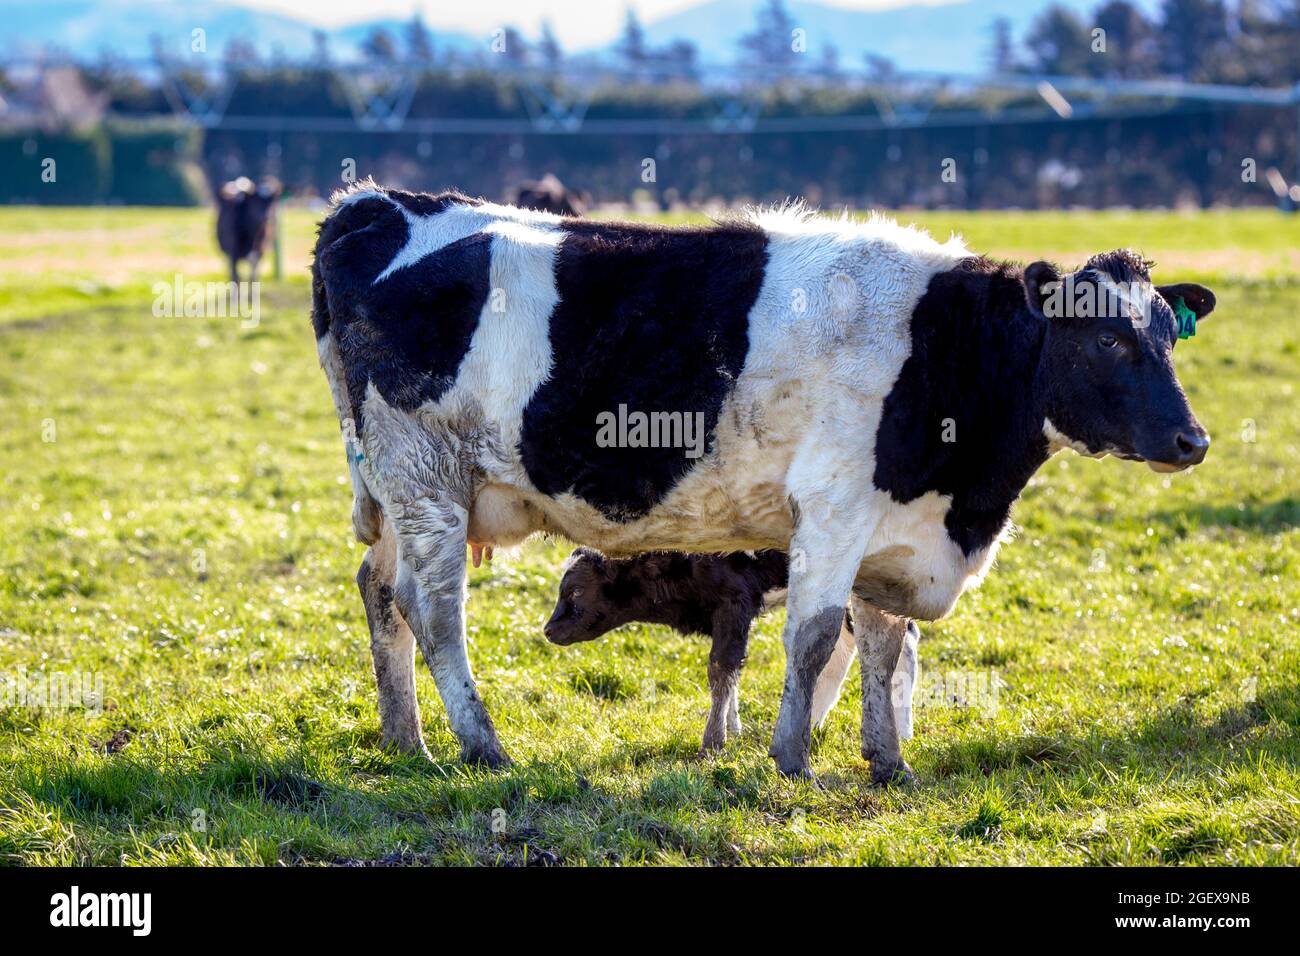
(555, 101)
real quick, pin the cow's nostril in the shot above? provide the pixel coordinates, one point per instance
(1192, 446)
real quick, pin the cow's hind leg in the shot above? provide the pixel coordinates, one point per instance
(880, 642)
(392, 647)
(726, 657)
(430, 594)
(831, 682)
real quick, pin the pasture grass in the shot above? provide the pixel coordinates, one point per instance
(176, 523)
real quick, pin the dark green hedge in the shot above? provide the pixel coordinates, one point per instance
(134, 164)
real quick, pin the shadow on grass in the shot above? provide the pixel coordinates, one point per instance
(1267, 516)
(1173, 736)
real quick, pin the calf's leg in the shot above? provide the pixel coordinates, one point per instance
(726, 657)
(392, 647)
(880, 641)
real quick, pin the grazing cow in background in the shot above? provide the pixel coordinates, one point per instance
(854, 393)
(246, 221)
(548, 194)
(714, 594)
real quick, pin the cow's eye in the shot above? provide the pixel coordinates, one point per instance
(1107, 341)
(575, 594)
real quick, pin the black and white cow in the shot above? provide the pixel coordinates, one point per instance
(246, 221)
(474, 350)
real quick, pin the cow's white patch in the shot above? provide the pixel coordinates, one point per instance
(1057, 440)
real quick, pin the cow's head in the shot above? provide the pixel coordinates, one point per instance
(259, 198)
(584, 610)
(1111, 387)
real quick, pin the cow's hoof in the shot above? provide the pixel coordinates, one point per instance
(896, 774)
(795, 769)
(491, 758)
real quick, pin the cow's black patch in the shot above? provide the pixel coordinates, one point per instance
(424, 204)
(652, 318)
(408, 333)
(972, 376)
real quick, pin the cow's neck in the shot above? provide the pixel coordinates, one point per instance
(966, 416)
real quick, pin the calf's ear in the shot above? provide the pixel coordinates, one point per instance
(1197, 298)
(1041, 280)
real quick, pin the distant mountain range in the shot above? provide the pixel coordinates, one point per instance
(949, 37)
(86, 28)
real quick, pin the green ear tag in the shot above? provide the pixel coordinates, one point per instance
(1186, 319)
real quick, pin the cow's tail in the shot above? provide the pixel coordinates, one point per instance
(367, 517)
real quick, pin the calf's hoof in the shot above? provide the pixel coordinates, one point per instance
(712, 744)
(404, 744)
(891, 774)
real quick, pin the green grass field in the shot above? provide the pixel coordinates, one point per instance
(176, 523)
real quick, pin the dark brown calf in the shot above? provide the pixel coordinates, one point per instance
(712, 594)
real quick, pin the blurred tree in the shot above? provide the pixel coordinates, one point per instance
(631, 45)
(770, 44)
(240, 52)
(681, 56)
(549, 47)
(1266, 44)
(419, 44)
(1130, 50)
(1002, 51)
(516, 47)
(320, 48)
(830, 64)
(1058, 42)
(880, 69)
(379, 46)
(1192, 36)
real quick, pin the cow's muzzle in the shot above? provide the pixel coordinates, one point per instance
(1186, 447)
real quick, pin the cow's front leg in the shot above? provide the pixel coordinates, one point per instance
(880, 638)
(824, 557)
(392, 647)
(430, 594)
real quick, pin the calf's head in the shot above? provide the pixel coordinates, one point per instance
(594, 599)
(1111, 387)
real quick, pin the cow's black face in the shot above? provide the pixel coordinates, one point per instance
(1109, 360)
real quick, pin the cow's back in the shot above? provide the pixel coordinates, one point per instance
(538, 325)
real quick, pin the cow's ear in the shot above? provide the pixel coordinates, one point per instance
(1041, 281)
(1197, 298)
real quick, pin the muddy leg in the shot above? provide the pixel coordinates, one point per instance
(430, 594)
(880, 641)
(392, 648)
